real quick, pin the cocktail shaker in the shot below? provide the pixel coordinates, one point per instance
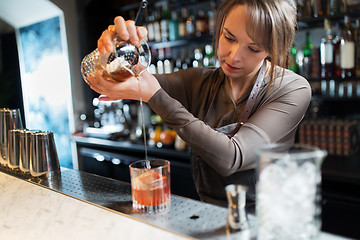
(44, 158)
(9, 119)
(25, 147)
(126, 60)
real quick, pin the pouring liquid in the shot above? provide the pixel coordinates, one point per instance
(147, 162)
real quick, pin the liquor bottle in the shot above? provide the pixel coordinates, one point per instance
(182, 23)
(306, 62)
(201, 24)
(211, 16)
(318, 8)
(164, 23)
(335, 7)
(304, 9)
(150, 28)
(327, 51)
(209, 59)
(347, 50)
(160, 61)
(198, 58)
(174, 27)
(157, 30)
(168, 61)
(293, 66)
(154, 56)
(190, 25)
(337, 70)
(357, 40)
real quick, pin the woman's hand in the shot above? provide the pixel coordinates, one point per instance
(126, 30)
(129, 89)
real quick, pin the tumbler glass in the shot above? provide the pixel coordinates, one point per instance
(150, 185)
(288, 191)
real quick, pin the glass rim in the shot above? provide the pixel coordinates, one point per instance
(276, 150)
(166, 163)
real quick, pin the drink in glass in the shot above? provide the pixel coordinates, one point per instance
(150, 185)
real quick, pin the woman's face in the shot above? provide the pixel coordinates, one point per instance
(239, 55)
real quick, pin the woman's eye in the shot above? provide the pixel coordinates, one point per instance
(254, 50)
(229, 38)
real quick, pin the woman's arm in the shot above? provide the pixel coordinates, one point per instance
(274, 121)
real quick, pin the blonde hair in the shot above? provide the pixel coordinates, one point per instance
(273, 21)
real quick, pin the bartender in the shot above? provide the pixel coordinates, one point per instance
(224, 113)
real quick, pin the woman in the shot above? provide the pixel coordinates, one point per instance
(225, 113)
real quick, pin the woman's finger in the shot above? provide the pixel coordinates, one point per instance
(121, 29)
(131, 28)
(106, 41)
(142, 32)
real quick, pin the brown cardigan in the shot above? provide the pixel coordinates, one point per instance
(185, 98)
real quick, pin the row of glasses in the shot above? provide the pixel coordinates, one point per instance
(30, 151)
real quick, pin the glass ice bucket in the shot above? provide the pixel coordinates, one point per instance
(288, 197)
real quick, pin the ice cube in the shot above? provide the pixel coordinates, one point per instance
(149, 180)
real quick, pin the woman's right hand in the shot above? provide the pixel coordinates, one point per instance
(125, 30)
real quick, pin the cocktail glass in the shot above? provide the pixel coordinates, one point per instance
(150, 185)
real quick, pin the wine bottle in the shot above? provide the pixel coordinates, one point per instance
(327, 51)
(293, 66)
(347, 50)
(306, 62)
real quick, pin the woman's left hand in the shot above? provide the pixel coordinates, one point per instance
(129, 89)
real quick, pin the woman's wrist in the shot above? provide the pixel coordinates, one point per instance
(151, 85)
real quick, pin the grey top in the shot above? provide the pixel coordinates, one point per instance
(185, 99)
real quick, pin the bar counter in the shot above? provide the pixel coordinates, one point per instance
(71, 204)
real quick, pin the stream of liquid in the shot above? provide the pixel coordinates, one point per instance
(147, 162)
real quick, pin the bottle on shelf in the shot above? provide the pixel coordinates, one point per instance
(292, 65)
(357, 40)
(304, 9)
(157, 28)
(305, 69)
(174, 27)
(190, 25)
(209, 59)
(182, 23)
(164, 23)
(153, 64)
(347, 50)
(327, 51)
(198, 58)
(168, 61)
(335, 7)
(201, 24)
(150, 28)
(211, 17)
(160, 61)
(337, 69)
(317, 8)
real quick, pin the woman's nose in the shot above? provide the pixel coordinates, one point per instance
(236, 52)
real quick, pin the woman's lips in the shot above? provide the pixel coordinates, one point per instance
(231, 68)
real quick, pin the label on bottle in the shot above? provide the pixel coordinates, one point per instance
(329, 50)
(164, 27)
(151, 34)
(182, 29)
(157, 32)
(347, 55)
